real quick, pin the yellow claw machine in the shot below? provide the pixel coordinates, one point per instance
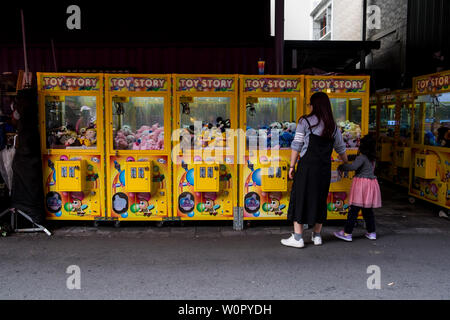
(205, 146)
(270, 107)
(430, 152)
(395, 111)
(349, 97)
(71, 125)
(373, 115)
(386, 131)
(138, 131)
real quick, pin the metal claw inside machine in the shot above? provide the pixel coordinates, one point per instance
(71, 122)
(349, 97)
(270, 107)
(205, 146)
(138, 118)
(430, 152)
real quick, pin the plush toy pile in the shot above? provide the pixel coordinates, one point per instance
(351, 132)
(284, 131)
(63, 136)
(145, 138)
(211, 136)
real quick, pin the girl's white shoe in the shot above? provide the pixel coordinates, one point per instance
(291, 242)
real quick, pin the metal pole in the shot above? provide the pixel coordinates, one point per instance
(279, 36)
(364, 35)
(24, 48)
(54, 55)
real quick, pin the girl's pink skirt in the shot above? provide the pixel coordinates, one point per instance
(365, 193)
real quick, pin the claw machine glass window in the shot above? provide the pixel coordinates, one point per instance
(271, 119)
(202, 113)
(387, 120)
(373, 118)
(405, 121)
(138, 123)
(433, 122)
(347, 113)
(71, 122)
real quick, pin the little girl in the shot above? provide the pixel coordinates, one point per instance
(365, 192)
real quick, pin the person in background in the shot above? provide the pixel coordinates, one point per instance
(316, 136)
(365, 192)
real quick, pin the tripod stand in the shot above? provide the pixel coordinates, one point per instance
(14, 215)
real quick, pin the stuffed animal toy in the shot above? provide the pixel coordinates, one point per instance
(222, 124)
(276, 125)
(286, 139)
(70, 139)
(91, 137)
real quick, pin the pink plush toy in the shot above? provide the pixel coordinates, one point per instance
(121, 141)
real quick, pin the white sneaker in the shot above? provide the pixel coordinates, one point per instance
(291, 242)
(317, 240)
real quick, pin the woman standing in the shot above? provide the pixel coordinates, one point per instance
(316, 136)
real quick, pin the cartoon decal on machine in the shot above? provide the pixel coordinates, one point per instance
(72, 203)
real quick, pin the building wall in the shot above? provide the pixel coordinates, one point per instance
(297, 20)
(347, 20)
(389, 62)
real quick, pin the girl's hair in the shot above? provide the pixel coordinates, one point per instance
(368, 147)
(321, 108)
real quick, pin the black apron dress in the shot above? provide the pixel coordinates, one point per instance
(308, 203)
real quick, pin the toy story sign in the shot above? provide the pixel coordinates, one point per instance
(338, 85)
(138, 84)
(272, 85)
(206, 84)
(70, 83)
(433, 83)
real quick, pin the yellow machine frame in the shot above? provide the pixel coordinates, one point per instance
(273, 208)
(430, 165)
(87, 204)
(341, 87)
(154, 163)
(202, 207)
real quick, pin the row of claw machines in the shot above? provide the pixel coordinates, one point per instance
(413, 133)
(123, 147)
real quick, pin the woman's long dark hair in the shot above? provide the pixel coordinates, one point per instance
(368, 147)
(321, 108)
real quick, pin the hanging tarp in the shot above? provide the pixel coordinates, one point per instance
(27, 193)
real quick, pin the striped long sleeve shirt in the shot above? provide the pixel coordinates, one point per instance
(301, 139)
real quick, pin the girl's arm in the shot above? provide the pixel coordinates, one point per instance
(296, 146)
(294, 157)
(359, 161)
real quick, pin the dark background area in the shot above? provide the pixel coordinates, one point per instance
(139, 21)
(221, 37)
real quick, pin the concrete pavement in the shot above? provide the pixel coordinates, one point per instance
(211, 261)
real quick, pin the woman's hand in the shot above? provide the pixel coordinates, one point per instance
(291, 173)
